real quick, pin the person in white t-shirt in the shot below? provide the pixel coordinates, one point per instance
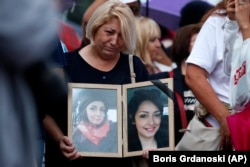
(205, 71)
(237, 41)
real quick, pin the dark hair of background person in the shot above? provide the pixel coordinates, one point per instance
(138, 97)
(193, 11)
(135, 7)
(180, 48)
(77, 10)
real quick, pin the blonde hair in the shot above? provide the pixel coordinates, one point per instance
(114, 9)
(147, 29)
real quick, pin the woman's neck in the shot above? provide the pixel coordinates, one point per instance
(92, 57)
(147, 143)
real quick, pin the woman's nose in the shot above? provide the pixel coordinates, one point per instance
(151, 121)
(98, 112)
(157, 43)
(114, 39)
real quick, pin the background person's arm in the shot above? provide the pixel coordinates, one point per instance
(196, 79)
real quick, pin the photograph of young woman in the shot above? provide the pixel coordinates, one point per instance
(94, 131)
(147, 127)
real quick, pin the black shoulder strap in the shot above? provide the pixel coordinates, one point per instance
(180, 102)
(170, 94)
(164, 88)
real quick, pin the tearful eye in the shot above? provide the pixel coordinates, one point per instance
(109, 32)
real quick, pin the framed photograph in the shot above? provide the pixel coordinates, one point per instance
(95, 119)
(148, 120)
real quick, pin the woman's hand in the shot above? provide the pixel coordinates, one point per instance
(68, 148)
(230, 5)
(226, 143)
(242, 13)
(145, 153)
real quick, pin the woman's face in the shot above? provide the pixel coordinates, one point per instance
(96, 112)
(147, 119)
(108, 39)
(154, 46)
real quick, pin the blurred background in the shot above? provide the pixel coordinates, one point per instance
(167, 13)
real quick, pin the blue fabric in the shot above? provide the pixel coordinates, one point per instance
(40, 151)
(58, 55)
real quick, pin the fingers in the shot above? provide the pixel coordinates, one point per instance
(231, 4)
(66, 145)
(242, 13)
(231, 9)
(145, 153)
(72, 155)
(236, 2)
(226, 142)
(66, 140)
(68, 149)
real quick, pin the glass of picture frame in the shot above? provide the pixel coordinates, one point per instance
(87, 105)
(153, 123)
(112, 138)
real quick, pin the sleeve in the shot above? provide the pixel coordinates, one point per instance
(204, 53)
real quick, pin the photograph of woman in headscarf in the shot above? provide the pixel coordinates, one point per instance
(94, 131)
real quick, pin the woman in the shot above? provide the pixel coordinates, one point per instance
(146, 127)
(149, 47)
(111, 30)
(94, 132)
(135, 6)
(181, 48)
(205, 71)
(237, 35)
